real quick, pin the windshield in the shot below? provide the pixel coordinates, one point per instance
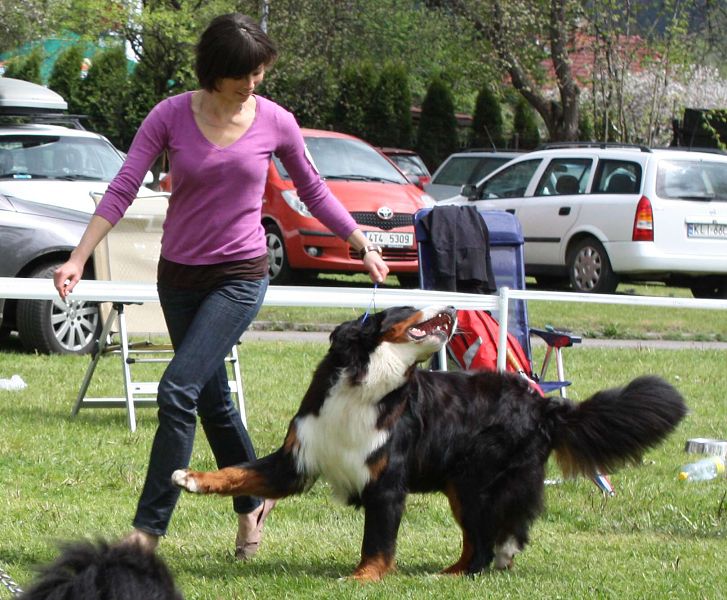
(692, 180)
(337, 158)
(57, 157)
(460, 170)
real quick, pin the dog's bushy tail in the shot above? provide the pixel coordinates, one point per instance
(615, 426)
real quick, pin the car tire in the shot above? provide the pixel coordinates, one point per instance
(52, 327)
(709, 287)
(553, 282)
(278, 266)
(408, 280)
(590, 269)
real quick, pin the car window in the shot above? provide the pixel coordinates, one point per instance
(617, 177)
(337, 158)
(565, 176)
(692, 180)
(411, 165)
(511, 182)
(460, 170)
(58, 157)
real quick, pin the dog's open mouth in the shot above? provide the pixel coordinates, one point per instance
(440, 325)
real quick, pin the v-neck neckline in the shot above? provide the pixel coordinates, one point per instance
(210, 142)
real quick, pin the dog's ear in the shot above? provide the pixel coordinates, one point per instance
(353, 341)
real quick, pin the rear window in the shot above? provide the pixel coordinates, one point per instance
(460, 170)
(57, 157)
(410, 164)
(692, 180)
(617, 177)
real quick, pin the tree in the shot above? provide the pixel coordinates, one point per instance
(65, 78)
(389, 116)
(355, 91)
(525, 128)
(21, 22)
(523, 34)
(437, 133)
(487, 125)
(105, 110)
(27, 67)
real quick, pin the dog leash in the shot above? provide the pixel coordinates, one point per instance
(8, 582)
(372, 303)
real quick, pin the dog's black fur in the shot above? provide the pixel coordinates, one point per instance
(482, 438)
(102, 571)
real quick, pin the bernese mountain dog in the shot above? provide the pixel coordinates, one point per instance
(376, 427)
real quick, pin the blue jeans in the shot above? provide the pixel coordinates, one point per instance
(203, 326)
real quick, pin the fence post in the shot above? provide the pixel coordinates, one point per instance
(503, 302)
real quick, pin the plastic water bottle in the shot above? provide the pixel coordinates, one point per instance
(702, 470)
(13, 384)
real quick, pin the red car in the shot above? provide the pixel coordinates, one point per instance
(373, 190)
(409, 163)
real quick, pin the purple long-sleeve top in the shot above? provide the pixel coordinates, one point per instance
(215, 207)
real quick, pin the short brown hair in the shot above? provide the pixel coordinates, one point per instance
(233, 45)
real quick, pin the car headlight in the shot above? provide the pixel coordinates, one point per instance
(427, 200)
(292, 200)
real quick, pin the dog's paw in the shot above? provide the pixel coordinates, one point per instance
(182, 478)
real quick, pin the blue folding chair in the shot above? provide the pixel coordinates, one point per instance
(508, 267)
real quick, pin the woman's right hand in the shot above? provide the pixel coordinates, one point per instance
(66, 277)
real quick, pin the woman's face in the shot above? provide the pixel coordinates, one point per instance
(239, 89)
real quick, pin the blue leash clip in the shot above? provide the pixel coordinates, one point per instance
(371, 304)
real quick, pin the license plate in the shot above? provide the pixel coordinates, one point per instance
(707, 230)
(390, 239)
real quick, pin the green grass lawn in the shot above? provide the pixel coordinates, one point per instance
(63, 478)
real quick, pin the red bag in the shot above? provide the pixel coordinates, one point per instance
(474, 345)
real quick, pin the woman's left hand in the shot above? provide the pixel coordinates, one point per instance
(377, 268)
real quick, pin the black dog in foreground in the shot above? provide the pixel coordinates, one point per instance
(87, 570)
(376, 428)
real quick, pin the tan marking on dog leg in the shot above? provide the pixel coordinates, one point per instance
(373, 568)
(378, 467)
(462, 564)
(230, 481)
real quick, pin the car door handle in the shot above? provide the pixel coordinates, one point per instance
(564, 210)
(510, 210)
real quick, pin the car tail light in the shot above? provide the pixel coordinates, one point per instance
(643, 222)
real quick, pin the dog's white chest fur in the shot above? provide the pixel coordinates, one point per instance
(336, 442)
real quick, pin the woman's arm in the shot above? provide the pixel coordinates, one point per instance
(69, 274)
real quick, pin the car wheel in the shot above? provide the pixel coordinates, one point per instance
(278, 266)
(552, 282)
(408, 280)
(53, 327)
(709, 287)
(589, 268)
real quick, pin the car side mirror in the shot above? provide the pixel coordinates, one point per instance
(469, 191)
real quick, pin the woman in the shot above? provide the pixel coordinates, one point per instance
(212, 274)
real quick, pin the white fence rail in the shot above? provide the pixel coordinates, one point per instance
(133, 292)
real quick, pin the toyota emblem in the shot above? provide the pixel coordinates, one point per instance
(385, 213)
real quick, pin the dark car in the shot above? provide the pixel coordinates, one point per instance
(409, 163)
(35, 239)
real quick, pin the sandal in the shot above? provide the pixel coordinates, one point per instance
(247, 542)
(146, 541)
